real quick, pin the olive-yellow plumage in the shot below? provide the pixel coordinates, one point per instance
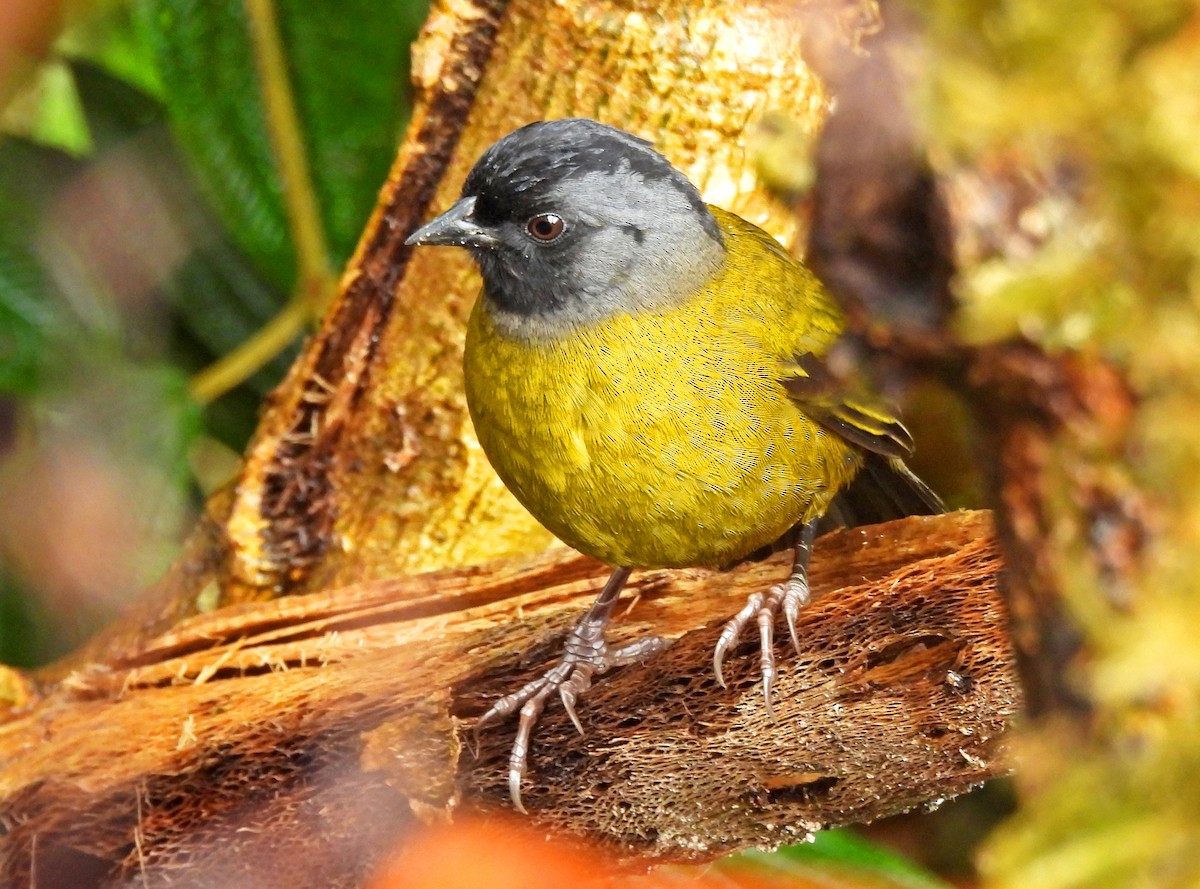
(665, 438)
(647, 374)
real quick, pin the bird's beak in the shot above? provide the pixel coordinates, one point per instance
(454, 228)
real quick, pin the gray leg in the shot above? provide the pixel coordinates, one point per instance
(789, 596)
(586, 654)
(796, 593)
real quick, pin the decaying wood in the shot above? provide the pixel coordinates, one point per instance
(292, 742)
(1055, 422)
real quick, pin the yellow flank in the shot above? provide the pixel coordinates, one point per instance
(665, 439)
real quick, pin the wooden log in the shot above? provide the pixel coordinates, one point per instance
(293, 742)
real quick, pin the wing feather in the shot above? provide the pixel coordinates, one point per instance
(861, 421)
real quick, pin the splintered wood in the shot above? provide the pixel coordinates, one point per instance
(293, 742)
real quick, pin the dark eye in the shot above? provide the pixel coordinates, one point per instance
(545, 226)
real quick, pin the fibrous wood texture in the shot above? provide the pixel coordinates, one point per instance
(292, 743)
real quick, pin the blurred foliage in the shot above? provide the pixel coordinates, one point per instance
(1114, 88)
(348, 70)
(144, 235)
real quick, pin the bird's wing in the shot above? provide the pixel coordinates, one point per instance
(856, 417)
(885, 488)
(797, 322)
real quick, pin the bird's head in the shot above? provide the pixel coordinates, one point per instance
(572, 221)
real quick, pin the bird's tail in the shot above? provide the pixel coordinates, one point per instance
(884, 489)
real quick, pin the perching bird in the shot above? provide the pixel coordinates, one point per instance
(644, 373)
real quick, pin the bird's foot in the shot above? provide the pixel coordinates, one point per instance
(788, 597)
(586, 654)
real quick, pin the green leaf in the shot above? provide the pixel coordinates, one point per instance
(114, 109)
(837, 857)
(24, 320)
(348, 68)
(22, 637)
(215, 294)
(30, 176)
(110, 39)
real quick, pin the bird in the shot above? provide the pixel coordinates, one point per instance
(648, 375)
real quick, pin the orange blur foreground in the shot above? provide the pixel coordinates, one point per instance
(505, 855)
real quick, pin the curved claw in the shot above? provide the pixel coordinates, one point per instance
(795, 595)
(791, 612)
(719, 655)
(766, 637)
(732, 631)
(519, 755)
(570, 677)
(571, 689)
(514, 790)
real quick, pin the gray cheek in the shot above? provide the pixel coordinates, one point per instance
(620, 272)
(603, 261)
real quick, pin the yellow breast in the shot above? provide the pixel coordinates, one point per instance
(665, 439)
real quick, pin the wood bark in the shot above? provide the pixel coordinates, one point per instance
(294, 742)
